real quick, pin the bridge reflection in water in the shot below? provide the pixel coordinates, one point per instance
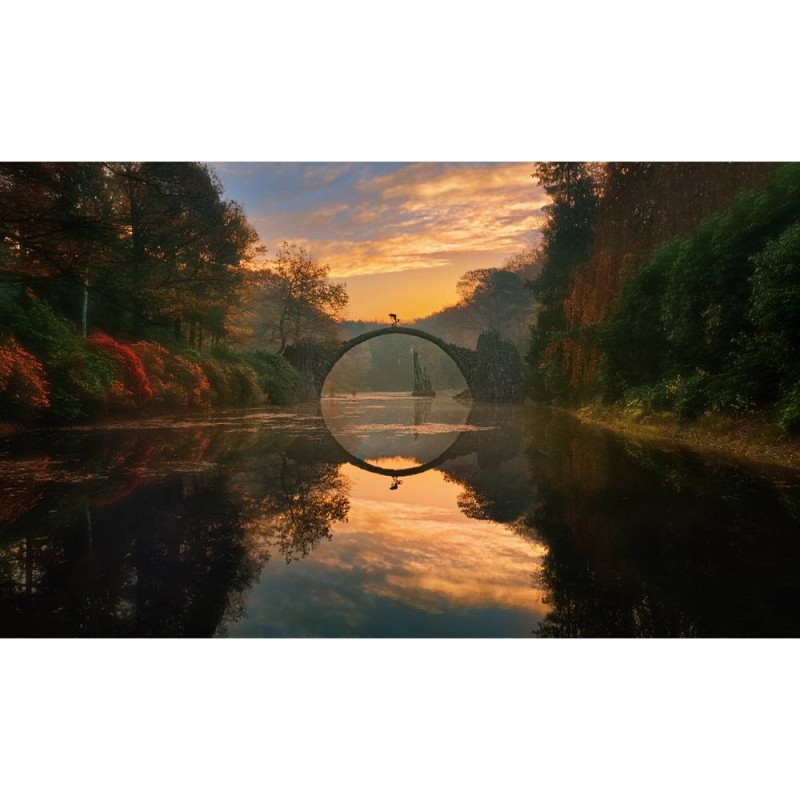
(374, 428)
(258, 523)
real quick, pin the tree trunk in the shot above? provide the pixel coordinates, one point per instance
(136, 265)
(85, 305)
(282, 331)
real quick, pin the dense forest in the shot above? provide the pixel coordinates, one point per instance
(662, 288)
(670, 288)
(138, 286)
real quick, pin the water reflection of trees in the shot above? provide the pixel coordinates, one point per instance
(642, 542)
(167, 560)
(155, 533)
(294, 506)
(161, 533)
(493, 470)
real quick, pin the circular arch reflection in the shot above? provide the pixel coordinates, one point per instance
(396, 473)
(375, 428)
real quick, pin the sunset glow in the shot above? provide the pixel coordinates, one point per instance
(408, 552)
(402, 231)
(482, 566)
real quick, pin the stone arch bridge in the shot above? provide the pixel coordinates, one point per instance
(493, 371)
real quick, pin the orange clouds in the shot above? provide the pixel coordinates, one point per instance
(419, 549)
(372, 222)
(418, 216)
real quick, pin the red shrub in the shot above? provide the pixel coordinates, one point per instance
(155, 359)
(131, 382)
(23, 386)
(176, 381)
(192, 377)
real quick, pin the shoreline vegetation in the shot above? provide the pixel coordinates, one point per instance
(755, 442)
(57, 376)
(661, 302)
(668, 304)
(136, 288)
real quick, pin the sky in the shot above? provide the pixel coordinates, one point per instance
(398, 234)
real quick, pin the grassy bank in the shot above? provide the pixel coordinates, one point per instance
(758, 441)
(50, 373)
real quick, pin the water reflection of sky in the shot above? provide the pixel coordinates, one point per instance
(402, 426)
(171, 529)
(405, 563)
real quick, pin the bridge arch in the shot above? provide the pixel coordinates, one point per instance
(458, 354)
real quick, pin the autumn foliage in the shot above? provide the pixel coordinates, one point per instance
(643, 206)
(122, 290)
(191, 378)
(684, 300)
(70, 377)
(176, 382)
(131, 386)
(23, 386)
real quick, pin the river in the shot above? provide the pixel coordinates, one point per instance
(388, 516)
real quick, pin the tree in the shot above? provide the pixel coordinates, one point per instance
(642, 206)
(292, 301)
(182, 247)
(57, 231)
(496, 300)
(574, 190)
(152, 244)
(709, 321)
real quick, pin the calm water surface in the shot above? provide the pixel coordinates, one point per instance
(388, 516)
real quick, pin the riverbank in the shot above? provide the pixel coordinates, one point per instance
(749, 439)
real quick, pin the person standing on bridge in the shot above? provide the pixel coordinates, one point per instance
(395, 319)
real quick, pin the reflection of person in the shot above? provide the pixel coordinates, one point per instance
(395, 484)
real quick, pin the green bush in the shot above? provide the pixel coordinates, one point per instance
(637, 402)
(712, 320)
(635, 343)
(253, 377)
(79, 377)
(687, 397)
(249, 391)
(232, 384)
(775, 305)
(278, 379)
(691, 396)
(788, 415)
(218, 379)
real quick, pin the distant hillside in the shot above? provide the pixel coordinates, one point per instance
(498, 299)
(355, 327)
(385, 364)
